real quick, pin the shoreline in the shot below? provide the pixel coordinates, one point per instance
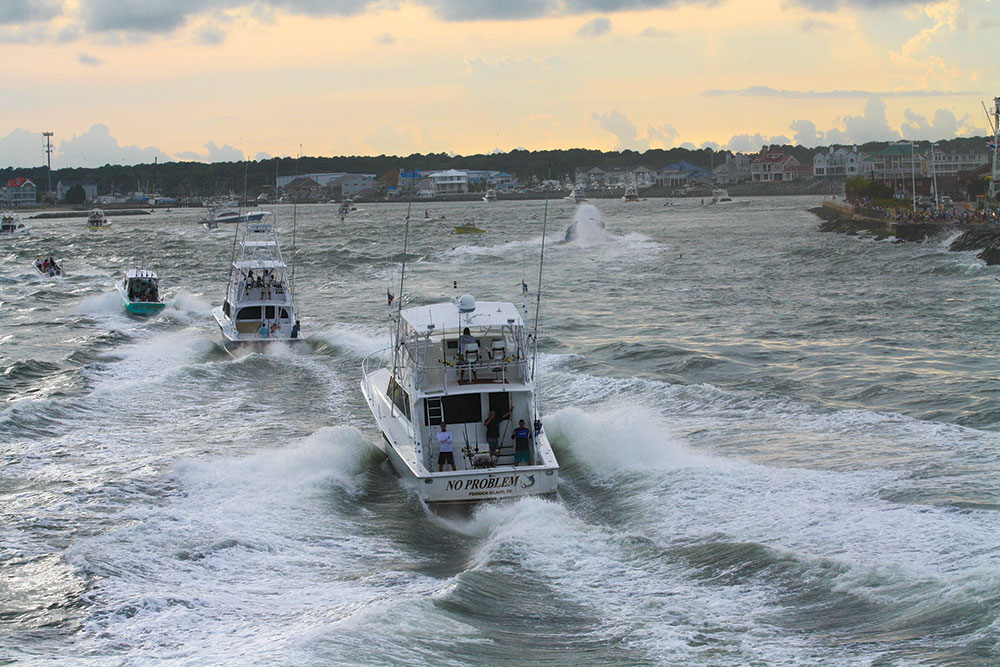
(844, 219)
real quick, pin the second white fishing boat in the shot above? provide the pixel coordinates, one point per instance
(259, 305)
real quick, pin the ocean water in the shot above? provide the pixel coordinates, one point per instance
(778, 447)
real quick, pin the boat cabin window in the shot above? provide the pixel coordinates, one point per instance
(269, 312)
(499, 402)
(463, 408)
(284, 314)
(249, 313)
(225, 307)
(399, 397)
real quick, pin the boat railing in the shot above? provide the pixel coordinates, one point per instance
(449, 374)
(272, 293)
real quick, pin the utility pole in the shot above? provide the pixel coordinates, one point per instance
(996, 137)
(937, 198)
(48, 158)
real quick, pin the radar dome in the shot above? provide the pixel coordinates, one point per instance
(466, 304)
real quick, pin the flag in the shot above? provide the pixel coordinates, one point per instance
(524, 288)
(992, 144)
(390, 296)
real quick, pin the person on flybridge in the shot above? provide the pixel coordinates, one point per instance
(468, 351)
(445, 448)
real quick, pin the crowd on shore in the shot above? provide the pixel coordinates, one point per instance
(951, 214)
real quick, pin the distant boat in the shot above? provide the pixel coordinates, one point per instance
(577, 195)
(11, 225)
(140, 292)
(468, 229)
(631, 193)
(228, 216)
(48, 267)
(346, 207)
(490, 196)
(721, 198)
(97, 220)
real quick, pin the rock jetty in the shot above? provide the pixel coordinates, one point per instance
(845, 219)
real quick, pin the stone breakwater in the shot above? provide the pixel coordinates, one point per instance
(845, 219)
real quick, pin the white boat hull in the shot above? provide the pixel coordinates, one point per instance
(462, 486)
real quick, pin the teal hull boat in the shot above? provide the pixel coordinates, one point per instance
(143, 307)
(140, 292)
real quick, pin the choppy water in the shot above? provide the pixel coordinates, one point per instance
(779, 447)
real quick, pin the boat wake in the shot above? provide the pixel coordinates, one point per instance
(588, 227)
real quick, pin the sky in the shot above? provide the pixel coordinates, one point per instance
(124, 81)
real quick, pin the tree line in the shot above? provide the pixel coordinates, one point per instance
(198, 179)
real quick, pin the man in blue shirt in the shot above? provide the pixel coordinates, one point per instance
(522, 441)
(445, 448)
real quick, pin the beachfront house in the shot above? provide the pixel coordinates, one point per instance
(19, 192)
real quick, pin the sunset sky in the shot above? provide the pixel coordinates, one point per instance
(122, 81)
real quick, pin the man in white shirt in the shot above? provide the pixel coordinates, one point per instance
(446, 452)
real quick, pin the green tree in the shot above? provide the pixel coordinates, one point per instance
(75, 195)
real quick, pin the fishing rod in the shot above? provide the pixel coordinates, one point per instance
(399, 305)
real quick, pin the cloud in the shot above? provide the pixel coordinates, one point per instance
(815, 25)
(30, 34)
(806, 133)
(654, 32)
(765, 91)
(209, 35)
(944, 125)
(224, 153)
(749, 143)
(91, 61)
(391, 141)
(262, 156)
(834, 5)
(14, 12)
(385, 38)
(96, 147)
(627, 136)
(594, 28)
(22, 148)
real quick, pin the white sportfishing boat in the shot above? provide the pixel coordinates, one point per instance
(97, 220)
(490, 196)
(437, 374)
(11, 225)
(228, 216)
(721, 198)
(576, 195)
(258, 308)
(48, 266)
(631, 193)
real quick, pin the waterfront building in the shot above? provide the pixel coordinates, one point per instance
(343, 183)
(19, 192)
(950, 163)
(837, 163)
(89, 189)
(303, 188)
(775, 168)
(450, 181)
(736, 169)
(896, 165)
(682, 174)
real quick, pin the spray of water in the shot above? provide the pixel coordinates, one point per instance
(588, 226)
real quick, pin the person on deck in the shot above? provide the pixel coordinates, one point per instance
(446, 452)
(295, 329)
(493, 432)
(263, 332)
(522, 441)
(466, 342)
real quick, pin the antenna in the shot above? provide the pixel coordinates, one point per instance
(538, 292)
(48, 156)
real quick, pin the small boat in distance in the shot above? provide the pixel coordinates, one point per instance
(11, 225)
(631, 193)
(468, 229)
(258, 308)
(490, 196)
(97, 220)
(453, 365)
(577, 195)
(140, 292)
(228, 216)
(48, 267)
(721, 197)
